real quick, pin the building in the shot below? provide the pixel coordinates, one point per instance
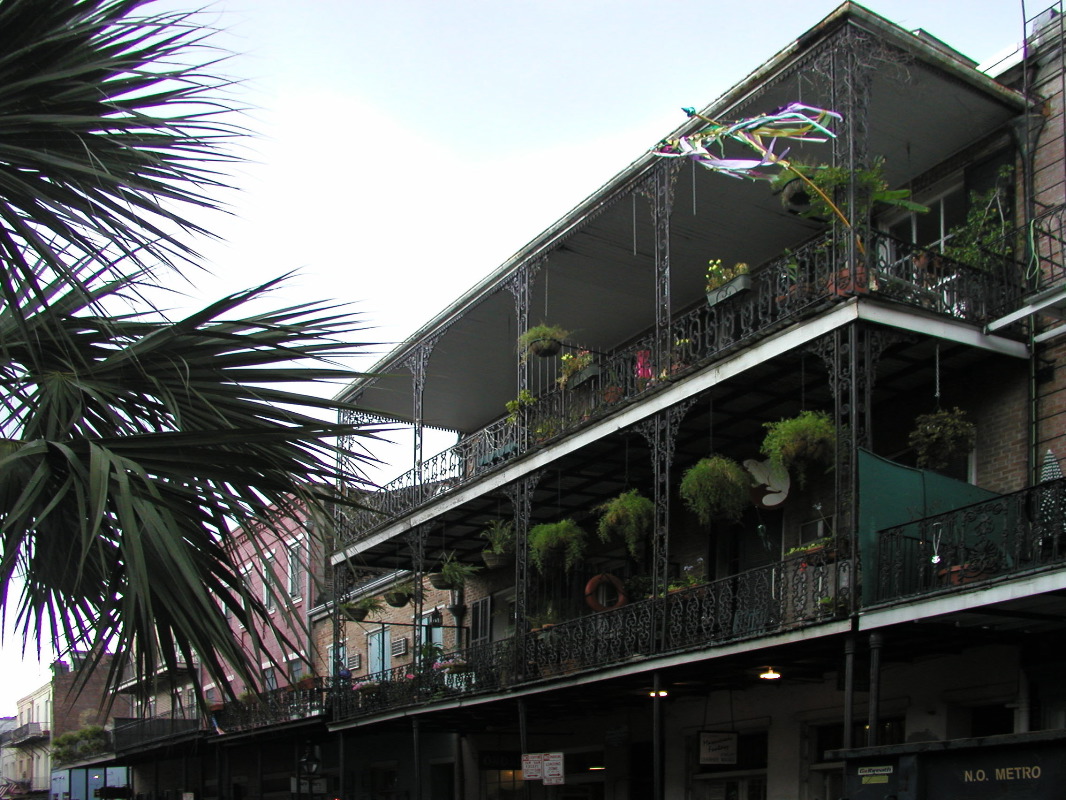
(875, 610)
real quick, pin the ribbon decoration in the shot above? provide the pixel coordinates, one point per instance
(793, 121)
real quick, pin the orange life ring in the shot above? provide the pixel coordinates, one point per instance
(592, 590)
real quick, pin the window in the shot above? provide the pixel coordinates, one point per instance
(268, 581)
(931, 229)
(481, 620)
(296, 669)
(270, 679)
(296, 569)
(336, 655)
(378, 652)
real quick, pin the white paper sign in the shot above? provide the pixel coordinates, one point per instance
(553, 769)
(532, 766)
(718, 747)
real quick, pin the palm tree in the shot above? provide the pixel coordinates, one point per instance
(131, 447)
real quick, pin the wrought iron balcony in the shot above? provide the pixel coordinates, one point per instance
(803, 590)
(797, 284)
(1006, 536)
(131, 734)
(307, 699)
(30, 734)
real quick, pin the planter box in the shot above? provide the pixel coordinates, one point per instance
(741, 283)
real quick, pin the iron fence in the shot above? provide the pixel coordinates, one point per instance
(797, 283)
(797, 591)
(1006, 535)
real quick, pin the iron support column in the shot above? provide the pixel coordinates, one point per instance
(849, 690)
(874, 720)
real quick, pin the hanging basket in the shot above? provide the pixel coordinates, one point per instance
(545, 347)
(397, 599)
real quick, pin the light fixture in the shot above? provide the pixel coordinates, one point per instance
(659, 693)
(769, 674)
(596, 768)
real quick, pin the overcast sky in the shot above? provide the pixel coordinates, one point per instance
(402, 150)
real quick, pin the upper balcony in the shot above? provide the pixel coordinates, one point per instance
(625, 270)
(31, 734)
(135, 734)
(808, 281)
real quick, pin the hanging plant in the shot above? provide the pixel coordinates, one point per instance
(453, 573)
(801, 443)
(542, 340)
(716, 486)
(549, 541)
(400, 595)
(362, 608)
(630, 517)
(499, 533)
(939, 437)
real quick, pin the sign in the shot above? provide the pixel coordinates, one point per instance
(871, 775)
(532, 766)
(554, 772)
(545, 767)
(718, 747)
(308, 786)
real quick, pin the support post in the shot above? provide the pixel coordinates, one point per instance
(874, 720)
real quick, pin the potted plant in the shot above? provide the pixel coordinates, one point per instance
(940, 436)
(690, 575)
(984, 239)
(716, 486)
(577, 368)
(543, 620)
(542, 340)
(629, 516)
(499, 533)
(801, 443)
(400, 594)
(549, 541)
(362, 608)
(514, 407)
(723, 282)
(453, 573)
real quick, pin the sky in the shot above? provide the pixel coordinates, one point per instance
(400, 151)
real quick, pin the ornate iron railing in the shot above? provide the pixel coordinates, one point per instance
(801, 590)
(307, 699)
(798, 283)
(133, 733)
(1048, 243)
(1008, 535)
(29, 732)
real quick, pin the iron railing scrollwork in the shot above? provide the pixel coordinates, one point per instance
(1004, 536)
(798, 283)
(791, 593)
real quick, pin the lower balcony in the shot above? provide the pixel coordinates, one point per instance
(131, 734)
(800, 591)
(1004, 537)
(304, 700)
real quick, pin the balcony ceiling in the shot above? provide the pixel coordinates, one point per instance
(598, 279)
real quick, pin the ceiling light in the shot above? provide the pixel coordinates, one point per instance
(659, 693)
(769, 674)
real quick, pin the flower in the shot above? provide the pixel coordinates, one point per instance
(691, 575)
(717, 275)
(573, 363)
(366, 685)
(450, 664)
